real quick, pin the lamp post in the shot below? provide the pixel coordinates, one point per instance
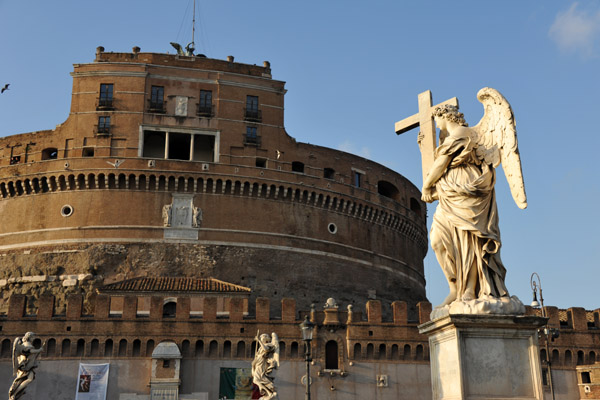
(549, 333)
(307, 333)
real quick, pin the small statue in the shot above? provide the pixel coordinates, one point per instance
(25, 361)
(197, 217)
(167, 214)
(465, 234)
(265, 361)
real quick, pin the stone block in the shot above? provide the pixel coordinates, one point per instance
(236, 309)
(46, 307)
(374, 311)
(182, 312)
(288, 310)
(579, 318)
(129, 307)
(74, 306)
(400, 312)
(262, 309)
(16, 306)
(424, 310)
(210, 309)
(484, 357)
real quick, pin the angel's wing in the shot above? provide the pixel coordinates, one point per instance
(275, 343)
(15, 355)
(497, 141)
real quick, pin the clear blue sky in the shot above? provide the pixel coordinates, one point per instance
(353, 68)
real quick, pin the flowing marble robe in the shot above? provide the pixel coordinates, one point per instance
(465, 231)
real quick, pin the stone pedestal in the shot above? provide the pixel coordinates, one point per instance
(484, 357)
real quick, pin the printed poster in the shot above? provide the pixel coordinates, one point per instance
(92, 382)
(236, 384)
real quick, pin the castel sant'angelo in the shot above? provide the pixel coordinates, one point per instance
(172, 207)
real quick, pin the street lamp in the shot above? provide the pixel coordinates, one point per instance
(307, 333)
(549, 333)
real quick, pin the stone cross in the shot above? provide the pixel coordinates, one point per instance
(424, 120)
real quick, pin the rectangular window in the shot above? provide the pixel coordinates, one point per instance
(252, 112)
(157, 97)
(251, 135)
(106, 95)
(104, 125)
(205, 105)
(357, 179)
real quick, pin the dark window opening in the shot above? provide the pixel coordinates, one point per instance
(545, 376)
(329, 173)
(179, 146)
(50, 153)
(251, 135)
(585, 377)
(88, 152)
(15, 160)
(331, 355)
(580, 358)
(166, 363)
(205, 104)
(103, 125)
(415, 206)
(297, 166)
(154, 144)
(204, 148)
(169, 309)
(157, 96)
(252, 113)
(388, 190)
(357, 179)
(106, 95)
(261, 162)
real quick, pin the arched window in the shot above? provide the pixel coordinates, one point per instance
(137, 348)
(50, 347)
(419, 355)
(213, 349)
(6, 348)
(122, 348)
(415, 206)
(387, 189)
(241, 349)
(66, 348)
(227, 349)
(592, 357)
(580, 360)
(395, 354)
(331, 355)
(50, 153)
(199, 350)
(185, 348)
(253, 349)
(80, 348)
(543, 357)
(381, 353)
(169, 308)
(555, 357)
(568, 357)
(294, 350)
(108, 348)
(370, 351)
(149, 348)
(329, 173)
(282, 349)
(407, 353)
(95, 348)
(357, 351)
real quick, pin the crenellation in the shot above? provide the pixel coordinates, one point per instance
(578, 318)
(288, 310)
(374, 312)
(400, 312)
(74, 306)
(16, 306)
(130, 304)
(424, 311)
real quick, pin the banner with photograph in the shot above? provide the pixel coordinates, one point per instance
(236, 383)
(92, 382)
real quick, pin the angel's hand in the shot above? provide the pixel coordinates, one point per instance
(427, 195)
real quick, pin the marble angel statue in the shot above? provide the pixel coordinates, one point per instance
(464, 234)
(265, 361)
(25, 361)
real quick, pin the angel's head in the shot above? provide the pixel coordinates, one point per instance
(449, 113)
(28, 337)
(265, 338)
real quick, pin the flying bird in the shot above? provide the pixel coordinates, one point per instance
(4, 88)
